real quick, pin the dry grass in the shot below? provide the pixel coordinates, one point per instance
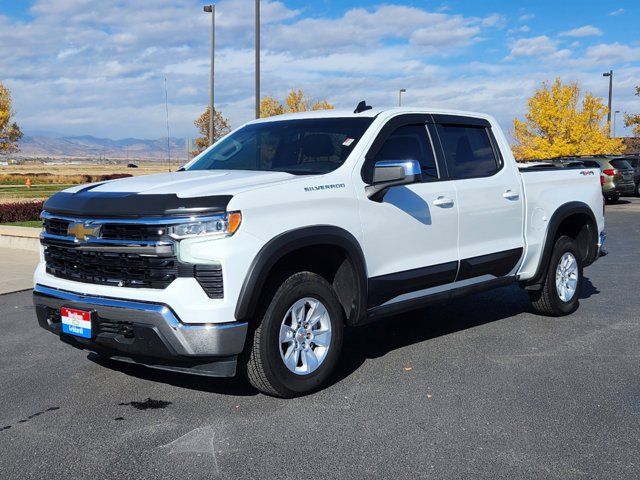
(84, 169)
(48, 179)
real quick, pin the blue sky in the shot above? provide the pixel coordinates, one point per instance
(80, 67)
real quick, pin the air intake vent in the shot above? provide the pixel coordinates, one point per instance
(210, 279)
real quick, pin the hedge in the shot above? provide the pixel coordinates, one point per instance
(20, 211)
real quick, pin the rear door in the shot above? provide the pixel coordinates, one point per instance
(490, 199)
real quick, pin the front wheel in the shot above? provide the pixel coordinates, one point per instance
(560, 292)
(296, 343)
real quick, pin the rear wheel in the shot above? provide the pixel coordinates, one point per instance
(297, 341)
(560, 292)
(613, 199)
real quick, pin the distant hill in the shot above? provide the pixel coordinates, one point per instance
(93, 147)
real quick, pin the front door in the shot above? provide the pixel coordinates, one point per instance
(411, 235)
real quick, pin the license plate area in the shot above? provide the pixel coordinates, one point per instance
(76, 322)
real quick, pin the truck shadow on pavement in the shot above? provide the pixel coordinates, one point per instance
(379, 338)
(373, 340)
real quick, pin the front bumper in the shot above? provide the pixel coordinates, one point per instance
(146, 333)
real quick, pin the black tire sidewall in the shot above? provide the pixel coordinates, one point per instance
(296, 287)
(564, 245)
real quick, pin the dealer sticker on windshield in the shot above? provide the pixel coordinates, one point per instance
(76, 322)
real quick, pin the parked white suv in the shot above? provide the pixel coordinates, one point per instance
(262, 249)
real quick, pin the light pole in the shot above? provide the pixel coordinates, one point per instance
(402, 90)
(257, 48)
(212, 113)
(610, 75)
(615, 118)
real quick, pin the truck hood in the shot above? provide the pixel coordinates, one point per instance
(179, 193)
(197, 183)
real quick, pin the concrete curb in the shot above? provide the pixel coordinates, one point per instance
(22, 238)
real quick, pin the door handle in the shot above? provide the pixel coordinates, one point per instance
(511, 195)
(443, 202)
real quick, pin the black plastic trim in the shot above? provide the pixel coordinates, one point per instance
(416, 303)
(386, 287)
(293, 240)
(88, 203)
(563, 212)
(460, 120)
(497, 264)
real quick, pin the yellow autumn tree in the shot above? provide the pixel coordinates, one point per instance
(558, 124)
(220, 129)
(296, 101)
(633, 119)
(10, 133)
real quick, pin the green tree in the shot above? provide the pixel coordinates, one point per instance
(10, 133)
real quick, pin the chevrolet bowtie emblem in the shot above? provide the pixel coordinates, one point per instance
(82, 231)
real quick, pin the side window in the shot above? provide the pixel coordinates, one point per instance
(410, 142)
(468, 151)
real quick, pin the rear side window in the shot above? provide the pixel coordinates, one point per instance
(468, 151)
(621, 164)
(410, 142)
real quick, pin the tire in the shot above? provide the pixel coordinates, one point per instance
(265, 364)
(613, 199)
(551, 300)
(638, 189)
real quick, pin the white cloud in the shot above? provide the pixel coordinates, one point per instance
(613, 52)
(584, 31)
(617, 12)
(533, 47)
(526, 16)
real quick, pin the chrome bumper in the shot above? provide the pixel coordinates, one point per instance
(146, 333)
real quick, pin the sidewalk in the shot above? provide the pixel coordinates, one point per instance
(16, 269)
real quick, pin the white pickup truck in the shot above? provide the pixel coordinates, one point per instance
(258, 253)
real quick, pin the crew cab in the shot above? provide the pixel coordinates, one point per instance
(257, 254)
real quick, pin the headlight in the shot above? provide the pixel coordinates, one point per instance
(216, 227)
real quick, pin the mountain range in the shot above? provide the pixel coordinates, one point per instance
(87, 146)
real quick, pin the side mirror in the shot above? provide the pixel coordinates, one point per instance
(392, 173)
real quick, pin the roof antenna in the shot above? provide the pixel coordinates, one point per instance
(362, 107)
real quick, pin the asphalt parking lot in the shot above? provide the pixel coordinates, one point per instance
(479, 388)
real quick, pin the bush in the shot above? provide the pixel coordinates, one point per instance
(20, 212)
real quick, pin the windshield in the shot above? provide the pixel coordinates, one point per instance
(300, 147)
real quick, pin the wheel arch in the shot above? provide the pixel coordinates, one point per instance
(284, 247)
(577, 220)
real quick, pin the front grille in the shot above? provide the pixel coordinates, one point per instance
(154, 265)
(54, 226)
(127, 231)
(105, 268)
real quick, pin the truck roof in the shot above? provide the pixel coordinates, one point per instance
(374, 112)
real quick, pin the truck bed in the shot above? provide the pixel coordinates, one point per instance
(545, 190)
